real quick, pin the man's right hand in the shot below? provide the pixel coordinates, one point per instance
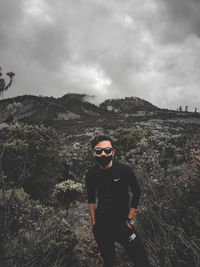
(92, 207)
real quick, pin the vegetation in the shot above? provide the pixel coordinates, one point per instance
(40, 177)
(31, 170)
(66, 191)
(168, 217)
(36, 151)
(32, 234)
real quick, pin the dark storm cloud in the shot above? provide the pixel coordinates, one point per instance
(182, 18)
(10, 13)
(115, 48)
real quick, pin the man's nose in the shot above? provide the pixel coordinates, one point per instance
(103, 153)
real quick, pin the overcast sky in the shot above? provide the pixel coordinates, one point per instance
(107, 48)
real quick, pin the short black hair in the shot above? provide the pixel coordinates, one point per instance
(98, 138)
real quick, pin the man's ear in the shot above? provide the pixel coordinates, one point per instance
(114, 152)
(93, 154)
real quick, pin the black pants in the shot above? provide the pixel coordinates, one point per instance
(106, 234)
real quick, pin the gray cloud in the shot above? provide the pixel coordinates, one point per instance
(148, 48)
(182, 19)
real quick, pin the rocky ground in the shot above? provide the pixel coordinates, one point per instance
(87, 251)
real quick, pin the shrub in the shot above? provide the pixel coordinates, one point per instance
(168, 216)
(126, 139)
(49, 243)
(67, 191)
(38, 151)
(31, 233)
(78, 159)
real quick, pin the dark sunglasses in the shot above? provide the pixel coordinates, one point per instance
(99, 150)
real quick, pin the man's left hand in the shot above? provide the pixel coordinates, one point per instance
(128, 223)
(131, 216)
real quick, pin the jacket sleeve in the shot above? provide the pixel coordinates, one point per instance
(135, 189)
(91, 190)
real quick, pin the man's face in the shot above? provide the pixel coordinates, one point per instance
(108, 149)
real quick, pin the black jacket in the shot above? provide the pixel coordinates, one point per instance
(111, 187)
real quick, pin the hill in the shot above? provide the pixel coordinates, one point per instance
(128, 105)
(73, 115)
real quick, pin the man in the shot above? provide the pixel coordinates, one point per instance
(112, 219)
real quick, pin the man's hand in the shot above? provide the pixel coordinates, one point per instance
(131, 216)
(129, 225)
(92, 207)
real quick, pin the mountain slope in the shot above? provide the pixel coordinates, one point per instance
(39, 109)
(74, 116)
(128, 105)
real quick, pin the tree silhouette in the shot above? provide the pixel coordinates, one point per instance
(3, 86)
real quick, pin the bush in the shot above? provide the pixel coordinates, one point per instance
(169, 219)
(78, 159)
(31, 233)
(67, 191)
(16, 210)
(126, 139)
(38, 151)
(168, 215)
(50, 243)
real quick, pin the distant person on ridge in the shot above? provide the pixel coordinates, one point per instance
(112, 219)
